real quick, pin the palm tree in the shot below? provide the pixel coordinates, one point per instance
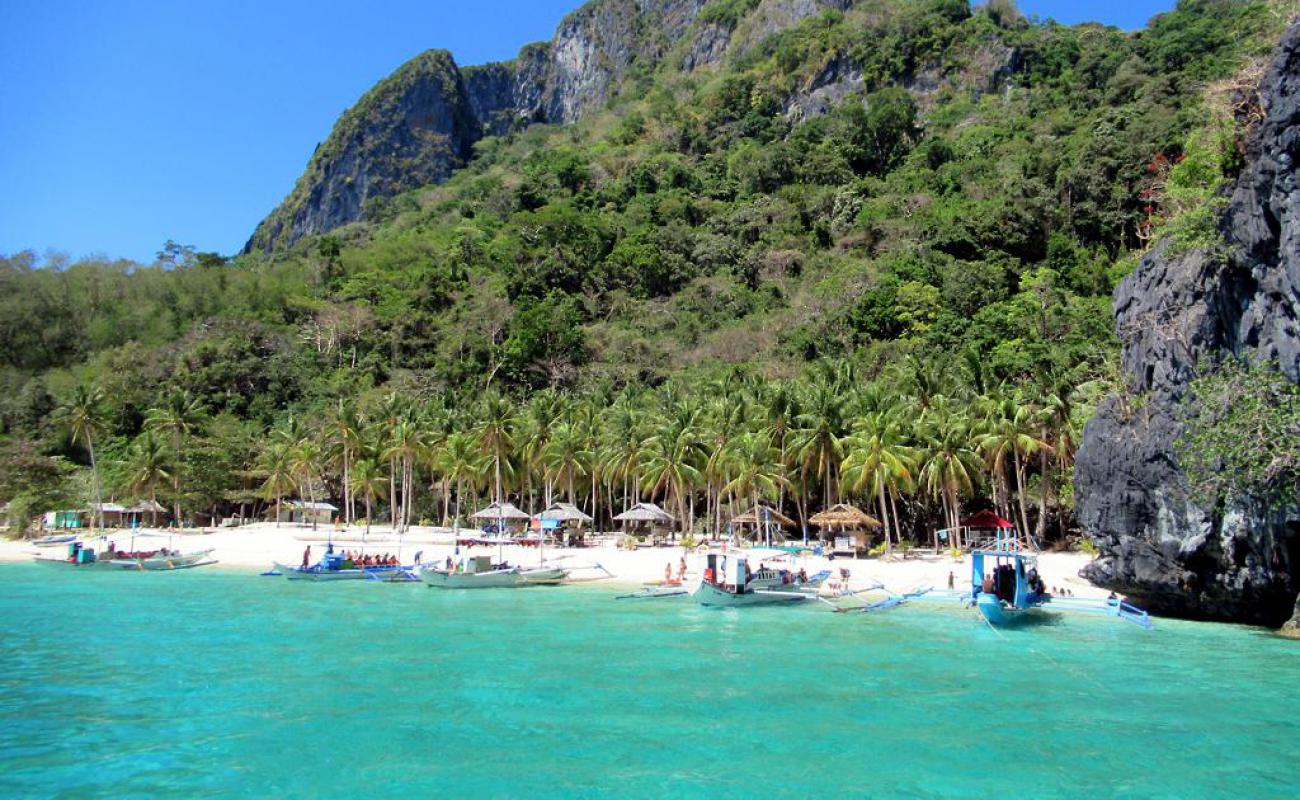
(817, 439)
(1009, 432)
(877, 459)
(566, 456)
(345, 425)
(756, 468)
(781, 411)
(1058, 431)
(276, 463)
(178, 418)
(368, 478)
(461, 461)
(305, 460)
(83, 416)
(147, 468)
(408, 444)
(670, 466)
(495, 436)
(950, 465)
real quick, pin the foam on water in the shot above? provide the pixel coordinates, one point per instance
(219, 683)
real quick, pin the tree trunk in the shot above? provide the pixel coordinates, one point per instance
(97, 516)
(1020, 490)
(347, 486)
(392, 491)
(1043, 486)
(884, 512)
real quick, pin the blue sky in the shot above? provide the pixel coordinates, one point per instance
(124, 123)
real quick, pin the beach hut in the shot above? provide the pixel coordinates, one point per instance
(565, 518)
(503, 515)
(112, 515)
(136, 513)
(849, 526)
(305, 512)
(766, 521)
(65, 520)
(646, 519)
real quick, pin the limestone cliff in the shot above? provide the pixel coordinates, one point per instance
(420, 123)
(1177, 310)
(411, 129)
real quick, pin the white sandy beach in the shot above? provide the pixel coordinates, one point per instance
(253, 548)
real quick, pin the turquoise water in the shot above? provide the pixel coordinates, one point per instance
(218, 683)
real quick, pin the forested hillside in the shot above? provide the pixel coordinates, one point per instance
(869, 256)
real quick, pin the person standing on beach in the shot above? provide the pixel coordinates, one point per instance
(681, 570)
(951, 579)
(306, 556)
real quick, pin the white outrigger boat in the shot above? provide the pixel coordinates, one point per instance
(160, 560)
(482, 572)
(729, 581)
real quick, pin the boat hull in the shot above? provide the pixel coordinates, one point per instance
(317, 574)
(1000, 615)
(706, 594)
(151, 564)
(511, 578)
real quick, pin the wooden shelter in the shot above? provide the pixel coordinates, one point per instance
(305, 512)
(505, 514)
(646, 519)
(852, 524)
(764, 519)
(151, 507)
(761, 515)
(563, 516)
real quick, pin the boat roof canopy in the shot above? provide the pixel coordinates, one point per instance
(986, 520)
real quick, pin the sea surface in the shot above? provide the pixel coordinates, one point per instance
(217, 683)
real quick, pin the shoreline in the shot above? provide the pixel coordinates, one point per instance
(253, 548)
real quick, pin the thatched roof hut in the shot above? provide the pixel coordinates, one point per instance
(565, 512)
(646, 513)
(761, 515)
(500, 511)
(844, 517)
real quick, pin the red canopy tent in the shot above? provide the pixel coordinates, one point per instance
(986, 520)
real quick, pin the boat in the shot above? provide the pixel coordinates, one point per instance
(336, 566)
(654, 591)
(51, 541)
(482, 572)
(1007, 590)
(728, 582)
(160, 560)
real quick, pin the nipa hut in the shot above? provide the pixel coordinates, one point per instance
(646, 519)
(505, 515)
(852, 525)
(766, 521)
(565, 517)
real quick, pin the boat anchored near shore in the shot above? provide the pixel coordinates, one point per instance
(161, 560)
(483, 572)
(729, 581)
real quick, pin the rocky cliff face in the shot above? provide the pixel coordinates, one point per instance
(1177, 310)
(419, 124)
(411, 129)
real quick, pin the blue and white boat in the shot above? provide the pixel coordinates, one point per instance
(1007, 589)
(336, 567)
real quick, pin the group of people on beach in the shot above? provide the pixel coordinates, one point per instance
(681, 571)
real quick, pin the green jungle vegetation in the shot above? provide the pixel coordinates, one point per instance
(690, 297)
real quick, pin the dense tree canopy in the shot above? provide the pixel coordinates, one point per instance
(725, 293)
